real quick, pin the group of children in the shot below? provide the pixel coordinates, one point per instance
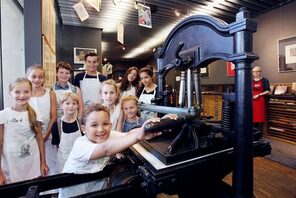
(37, 140)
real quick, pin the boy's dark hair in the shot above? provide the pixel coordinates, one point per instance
(63, 64)
(92, 108)
(91, 54)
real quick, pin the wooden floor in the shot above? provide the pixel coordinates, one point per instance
(272, 179)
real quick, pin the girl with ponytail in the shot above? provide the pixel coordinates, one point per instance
(22, 151)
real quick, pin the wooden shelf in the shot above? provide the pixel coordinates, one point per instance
(282, 117)
(212, 105)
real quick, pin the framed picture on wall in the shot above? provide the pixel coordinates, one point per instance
(287, 54)
(79, 54)
(204, 72)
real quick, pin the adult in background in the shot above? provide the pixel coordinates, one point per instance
(129, 85)
(260, 90)
(148, 92)
(62, 86)
(90, 81)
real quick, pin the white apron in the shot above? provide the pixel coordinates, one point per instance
(42, 105)
(66, 145)
(21, 157)
(146, 99)
(90, 90)
(114, 116)
(59, 94)
(131, 92)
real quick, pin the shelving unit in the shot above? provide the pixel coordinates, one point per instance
(212, 105)
(282, 117)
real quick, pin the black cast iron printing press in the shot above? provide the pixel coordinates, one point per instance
(193, 155)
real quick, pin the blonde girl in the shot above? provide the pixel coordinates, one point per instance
(22, 151)
(129, 105)
(68, 128)
(110, 94)
(44, 101)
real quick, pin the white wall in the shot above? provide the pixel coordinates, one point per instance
(13, 58)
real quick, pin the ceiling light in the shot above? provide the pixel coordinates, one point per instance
(105, 59)
(81, 11)
(123, 48)
(116, 2)
(177, 12)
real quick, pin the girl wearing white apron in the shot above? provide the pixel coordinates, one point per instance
(42, 105)
(44, 101)
(90, 90)
(66, 142)
(149, 91)
(21, 157)
(22, 154)
(110, 94)
(130, 82)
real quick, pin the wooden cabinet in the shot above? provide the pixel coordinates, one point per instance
(212, 105)
(282, 117)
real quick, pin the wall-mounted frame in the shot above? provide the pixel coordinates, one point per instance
(79, 54)
(144, 16)
(204, 72)
(287, 54)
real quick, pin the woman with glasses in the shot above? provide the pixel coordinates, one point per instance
(260, 88)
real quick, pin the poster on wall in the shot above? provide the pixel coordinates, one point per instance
(79, 54)
(144, 16)
(230, 69)
(290, 52)
(204, 72)
(287, 54)
(120, 33)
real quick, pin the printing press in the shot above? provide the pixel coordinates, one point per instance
(194, 154)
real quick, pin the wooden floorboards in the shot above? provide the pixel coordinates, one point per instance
(272, 179)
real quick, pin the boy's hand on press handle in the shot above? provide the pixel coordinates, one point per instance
(147, 136)
(171, 116)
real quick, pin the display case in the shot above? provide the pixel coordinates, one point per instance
(212, 105)
(282, 117)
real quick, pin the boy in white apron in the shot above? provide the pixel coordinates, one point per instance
(90, 80)
(62, 86)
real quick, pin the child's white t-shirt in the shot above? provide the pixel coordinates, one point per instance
(79, 162)
(79, 159)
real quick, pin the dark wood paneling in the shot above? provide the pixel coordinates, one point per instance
(74, 36)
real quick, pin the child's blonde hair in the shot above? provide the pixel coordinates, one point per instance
(32, 67)
(31, 112)
(113, 83)
(71, 95)
(91, 108)
(130, 98)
